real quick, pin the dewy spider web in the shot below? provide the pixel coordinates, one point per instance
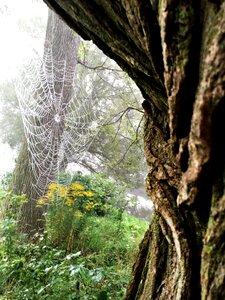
(58, 131)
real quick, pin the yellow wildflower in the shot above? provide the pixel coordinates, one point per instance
(90, 205)
(89, 193)
(62, 191)
(78, 213)
(41, 201)
(76, 186)
(49, 194)
(69, 201)
(77, 193)
(53, 186)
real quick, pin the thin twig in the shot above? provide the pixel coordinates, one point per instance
(99, 67)
(121, 114)
(131, 144)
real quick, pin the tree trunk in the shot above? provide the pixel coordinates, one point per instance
(61, 45)
(175, 52)
(31, 219)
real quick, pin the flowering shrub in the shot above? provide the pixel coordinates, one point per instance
(68, 204)
(73, 196)
(71, 201)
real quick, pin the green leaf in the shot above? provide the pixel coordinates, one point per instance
(102, 295)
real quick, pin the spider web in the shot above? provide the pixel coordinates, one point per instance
(59, 129)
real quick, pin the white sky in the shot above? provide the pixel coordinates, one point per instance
(15, 47)
(7, 159)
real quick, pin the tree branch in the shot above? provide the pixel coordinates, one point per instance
(99, 67)
(121, 114)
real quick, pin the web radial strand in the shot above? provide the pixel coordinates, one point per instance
(58, 128)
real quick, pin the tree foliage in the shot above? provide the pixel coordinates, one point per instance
(11, 123)
(120, 117)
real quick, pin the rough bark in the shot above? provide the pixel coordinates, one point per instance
(31, 219)
(64, 45)
(175, 52)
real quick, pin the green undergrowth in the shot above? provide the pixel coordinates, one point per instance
(85, 255)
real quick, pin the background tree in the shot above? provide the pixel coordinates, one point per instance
(175, 52)
(113, 150)
(11, 124)
(120, 118)
(63, 45)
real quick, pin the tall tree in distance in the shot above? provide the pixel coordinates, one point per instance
(175, 52)
(44, 102)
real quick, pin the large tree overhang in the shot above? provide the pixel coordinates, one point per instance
(175, 52)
